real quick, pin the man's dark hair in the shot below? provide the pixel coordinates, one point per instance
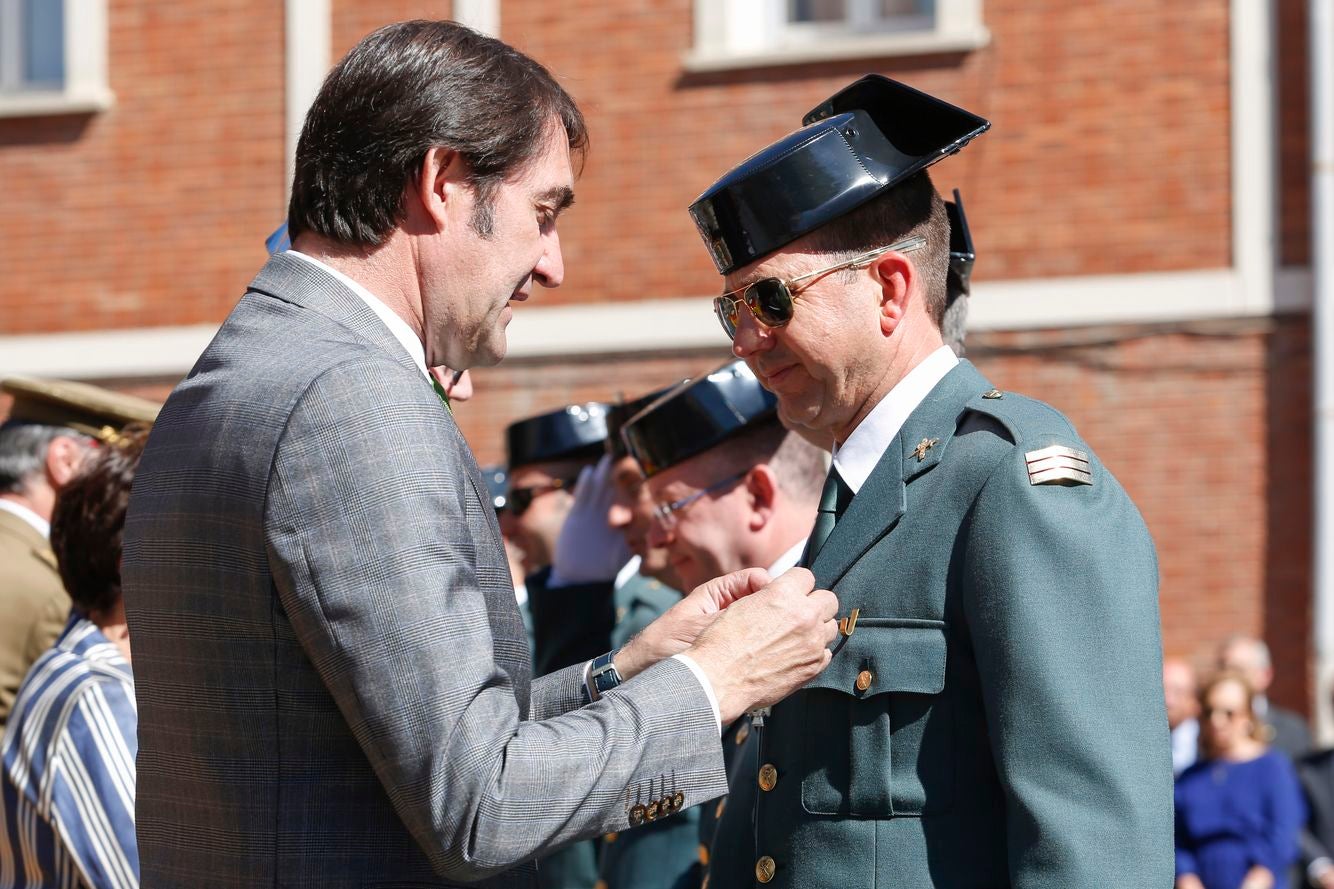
(908, 209)
(407, 88)
(88, 520)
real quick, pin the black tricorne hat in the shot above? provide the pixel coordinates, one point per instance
(697, 415)
(866, 138)
(961, 248)
(573, 432)
(619, 414)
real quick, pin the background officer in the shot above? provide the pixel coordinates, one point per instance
(660, 854)
(51, 426)
(734, 489)
(570, 622)
(993, 714)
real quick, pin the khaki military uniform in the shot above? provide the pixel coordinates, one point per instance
(32, 599)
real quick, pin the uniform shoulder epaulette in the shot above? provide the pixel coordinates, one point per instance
(1056, 455)
(1025, 418)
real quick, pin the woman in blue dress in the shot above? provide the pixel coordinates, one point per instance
(1238, 810)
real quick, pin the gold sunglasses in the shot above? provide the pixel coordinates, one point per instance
(772, 300)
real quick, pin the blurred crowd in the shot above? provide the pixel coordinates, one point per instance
(1254, 798)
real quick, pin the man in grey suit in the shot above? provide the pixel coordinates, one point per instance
(333, 681)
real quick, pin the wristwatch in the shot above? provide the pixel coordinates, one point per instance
(602, 674)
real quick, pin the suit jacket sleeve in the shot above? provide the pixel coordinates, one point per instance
(1061, 603)
(376, 565)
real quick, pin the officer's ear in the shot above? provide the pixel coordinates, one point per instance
(62, 459)
(762, 489)
(438, 192)
(896, 276)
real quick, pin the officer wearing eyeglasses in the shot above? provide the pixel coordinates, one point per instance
(732, 489)
(992, 715)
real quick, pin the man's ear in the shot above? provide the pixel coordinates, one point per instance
(762, 487)
(63, 456)
(440, 184)
(895, 274)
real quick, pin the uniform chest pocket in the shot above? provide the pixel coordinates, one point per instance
(878, 733)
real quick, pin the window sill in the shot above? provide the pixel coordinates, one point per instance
(877, 47)
(38, 104)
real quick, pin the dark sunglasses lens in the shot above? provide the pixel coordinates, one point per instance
(771, 301)
(519, 501)
(726, 310)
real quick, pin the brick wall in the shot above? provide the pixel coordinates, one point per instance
(1109, 151)
(153, 212)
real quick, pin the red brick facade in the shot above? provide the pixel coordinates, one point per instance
(1110, 155)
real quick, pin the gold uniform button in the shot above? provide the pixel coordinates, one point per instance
(651, 813)
(610, 837)
(742, 733)
(764, 869)
(600, 884)
(768, 777)
(637, 815)
(678, 801)
(864, 680)
(703, 854)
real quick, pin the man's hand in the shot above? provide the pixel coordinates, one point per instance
(678, 628)
(1188, 881)
(589, 550)
(768, 644)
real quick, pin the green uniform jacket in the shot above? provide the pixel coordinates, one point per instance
(33, 601)
(996, 717)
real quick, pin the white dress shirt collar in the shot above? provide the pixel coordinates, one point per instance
(857, 457)
(397, 326)
(41, 525)
(788, 559)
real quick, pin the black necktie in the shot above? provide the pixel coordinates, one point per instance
(833, 500)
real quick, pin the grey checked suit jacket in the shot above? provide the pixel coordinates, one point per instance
(333, 679)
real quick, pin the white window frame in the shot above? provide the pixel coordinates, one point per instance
(757, 33)
(85, 88)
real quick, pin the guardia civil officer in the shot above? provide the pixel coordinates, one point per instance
(546, 454)
(660, 854)
(570, 622)
(728, 837)
(734, 489)
(993, 713)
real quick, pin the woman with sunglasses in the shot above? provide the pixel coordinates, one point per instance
(1238, 810)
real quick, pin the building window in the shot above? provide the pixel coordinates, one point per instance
(741, 33)
(53, 57)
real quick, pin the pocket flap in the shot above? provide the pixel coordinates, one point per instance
(900, 655)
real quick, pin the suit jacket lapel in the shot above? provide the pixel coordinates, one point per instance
(301, 283)
(883, 499)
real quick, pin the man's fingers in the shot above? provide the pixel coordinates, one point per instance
(830, 628)
(825, 602)
(723, 591)
(798, 580)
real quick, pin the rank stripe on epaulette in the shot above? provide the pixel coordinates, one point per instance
(1058, 465)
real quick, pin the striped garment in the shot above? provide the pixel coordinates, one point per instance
(68, 769)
